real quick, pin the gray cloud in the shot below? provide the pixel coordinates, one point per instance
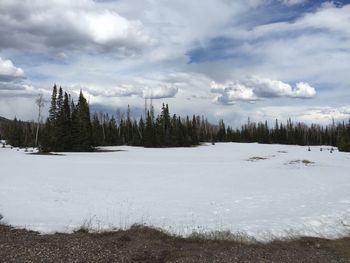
(69, 25)
(11, 86)
(19, 90)
(13, 82)
(117, 50)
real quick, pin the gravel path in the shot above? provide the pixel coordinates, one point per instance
(148, 245)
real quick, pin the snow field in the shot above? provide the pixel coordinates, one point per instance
(264, 191)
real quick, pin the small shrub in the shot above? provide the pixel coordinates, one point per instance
(306, 162)
(82, 230)
(87, 226)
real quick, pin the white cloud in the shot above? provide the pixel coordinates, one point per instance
(109, 28)
(293, 2)
(8, 71)
(142, 89)
(303, 90)
(254, 88)
(231, 92)
(267, 88)
(160, 92)
(122, 91)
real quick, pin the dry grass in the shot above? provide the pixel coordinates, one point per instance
(257, 158)
(305, 162)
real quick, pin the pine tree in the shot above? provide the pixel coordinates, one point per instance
(53, 107)
(149, 135)
(97, 131)
(344, 139)
(59, 100)
(66, 124)
(83, 123)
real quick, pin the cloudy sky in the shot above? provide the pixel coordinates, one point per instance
(229, 59)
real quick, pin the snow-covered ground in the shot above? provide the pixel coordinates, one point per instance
(261, 190)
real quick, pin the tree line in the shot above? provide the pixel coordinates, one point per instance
(18, 133)
(290, 133)
(71, 126)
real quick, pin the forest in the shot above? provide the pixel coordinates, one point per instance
(71, 126)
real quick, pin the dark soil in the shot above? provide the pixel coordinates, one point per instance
(140, 244)
(46, 153)
(99, 150)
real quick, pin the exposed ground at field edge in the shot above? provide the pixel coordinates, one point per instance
(140, 244)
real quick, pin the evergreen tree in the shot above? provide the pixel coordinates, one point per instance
(65, 124)
(53, 107)
(344, 139)
(149, 134)
(81, 125)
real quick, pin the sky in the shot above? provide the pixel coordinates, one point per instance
(224, 59)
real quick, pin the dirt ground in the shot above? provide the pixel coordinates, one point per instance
(140, 244)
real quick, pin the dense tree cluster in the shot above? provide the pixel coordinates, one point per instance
(70, 127)
(163, 130)
(18, 133)
(343, 142)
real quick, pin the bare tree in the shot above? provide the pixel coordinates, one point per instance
(40, 103)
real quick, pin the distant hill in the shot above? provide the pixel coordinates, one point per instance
(2, 119)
